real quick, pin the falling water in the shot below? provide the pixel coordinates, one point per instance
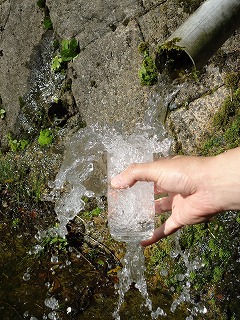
(133, 271)
(84, 173)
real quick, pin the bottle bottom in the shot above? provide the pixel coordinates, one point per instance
(132, 236)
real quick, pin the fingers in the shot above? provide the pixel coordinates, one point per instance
(163, 204)
(135, 172)
(169, 175)
(168, 227)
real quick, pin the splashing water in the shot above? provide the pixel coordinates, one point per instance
(84, 173)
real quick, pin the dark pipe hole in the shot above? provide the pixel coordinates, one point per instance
(58, 113)
(174, 62)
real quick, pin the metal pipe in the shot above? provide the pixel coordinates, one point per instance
(201, 35)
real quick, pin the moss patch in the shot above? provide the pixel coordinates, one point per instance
(225, 133)
(148, 72)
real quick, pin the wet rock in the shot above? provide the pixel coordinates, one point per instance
(112, 64)
(191, 123)
(21, 31)
(158, 24)
(90, 20)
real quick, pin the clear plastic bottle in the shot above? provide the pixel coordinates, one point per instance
(131, 210)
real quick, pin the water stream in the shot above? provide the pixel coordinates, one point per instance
(92, 157)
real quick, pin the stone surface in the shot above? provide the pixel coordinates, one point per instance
(21, 31)
(104, 76)
(192, 123)
(90, 20)
(158, 24)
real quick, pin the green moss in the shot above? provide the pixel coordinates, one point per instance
(54, 243)
(143, 47)
(148, 72)
(2, 110)
(45, 137)
(227, 111)
(93, 213)
(232, 80)
(41, 3)
(217, 274)
(21, 102)
(16, 180)
(238, 218)
(47, 22)
(16, 145)
(2, 113)
(232, 134)
(170, 45)
(227, 123)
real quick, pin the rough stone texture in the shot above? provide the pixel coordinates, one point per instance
(105, 78)
(158, 24)
(89, 20)
(21, 31)
(191, 123)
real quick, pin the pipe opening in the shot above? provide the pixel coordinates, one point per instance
(174, 61)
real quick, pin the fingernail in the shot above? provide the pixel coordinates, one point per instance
(117, 182)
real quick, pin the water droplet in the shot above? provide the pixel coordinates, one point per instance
(54, 259)
(51, 303)
(164, 273)
(26, 276)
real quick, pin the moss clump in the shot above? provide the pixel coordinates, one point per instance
(47, 23)
(93, 213)
(45, 137)
(2, 113)
(2, 110)
(18, 183)
(226, 125)
(228, 111)
(143, 47)
(41, 3)
(16, 145)
(170, 45)
(148, 72)
(232, 80)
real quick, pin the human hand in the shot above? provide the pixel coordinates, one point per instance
(197, 188)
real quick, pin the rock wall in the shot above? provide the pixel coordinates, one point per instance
(105, 83)
(21, 31)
